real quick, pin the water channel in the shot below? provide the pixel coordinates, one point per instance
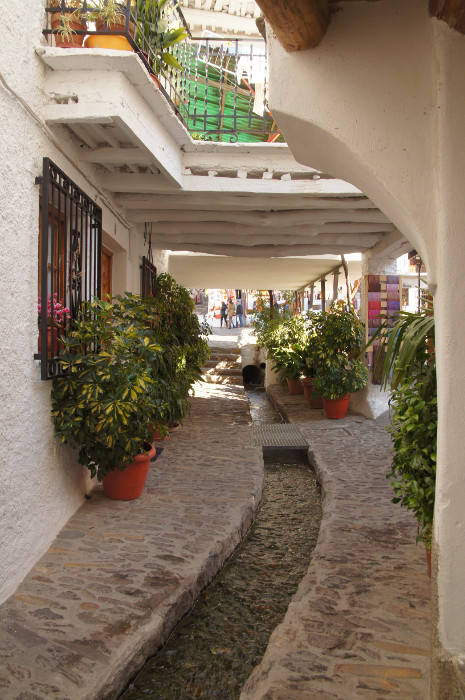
(214, 649)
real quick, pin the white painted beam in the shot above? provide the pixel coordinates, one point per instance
(267, 251)
(260, 219)
(116, 156)
(391, 246)
(232, 202)
(359, 242)
(198, 183)
(233, 229)
(266, 159)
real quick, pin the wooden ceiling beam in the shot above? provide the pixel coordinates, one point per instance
(298, 24)
(450, 11)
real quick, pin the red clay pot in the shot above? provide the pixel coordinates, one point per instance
(336, 408)
(156, 435)
(75, 40)
(428, 560)
(128, 484)
(294, 387)
(174, 428)
(311, 393)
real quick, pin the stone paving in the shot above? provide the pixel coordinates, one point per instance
(121, 574)
(359, 625)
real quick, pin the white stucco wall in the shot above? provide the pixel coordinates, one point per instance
(380, 103)
(41, 484)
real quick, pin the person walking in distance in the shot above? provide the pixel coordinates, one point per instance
(231, 312)
(224, 314)
(239, 312)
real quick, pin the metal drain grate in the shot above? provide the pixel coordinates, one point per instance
(277, 435)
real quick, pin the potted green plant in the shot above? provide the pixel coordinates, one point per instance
(156, 32)
(110, 397)
(339, 370)
(288, 362)
(311, 392)
(66, 24)
(408, 367)
(169, 320)
(284, 336)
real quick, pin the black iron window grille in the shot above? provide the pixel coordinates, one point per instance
(70, 250)
(148, 276)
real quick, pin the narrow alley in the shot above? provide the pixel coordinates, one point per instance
(120, 575)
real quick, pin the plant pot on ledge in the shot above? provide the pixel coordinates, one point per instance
(64, 28)
(336, 408)
(311, 393)
(294, 386)
(127, 484)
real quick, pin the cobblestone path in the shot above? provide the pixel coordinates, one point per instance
(359, 625)
(121, 574)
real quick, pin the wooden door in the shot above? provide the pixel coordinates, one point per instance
(107, 269)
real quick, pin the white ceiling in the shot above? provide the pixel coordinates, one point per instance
(209, 271)
(252, 202)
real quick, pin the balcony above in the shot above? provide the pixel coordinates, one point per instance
(241, 199)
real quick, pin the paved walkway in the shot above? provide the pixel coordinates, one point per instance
(359, 625)
(121, 574)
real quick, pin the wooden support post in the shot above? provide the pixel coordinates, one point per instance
(346, 273)
(335, 284)
(323, 294)
(298, 24)
(270, 292)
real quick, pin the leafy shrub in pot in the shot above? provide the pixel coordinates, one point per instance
(335, 352)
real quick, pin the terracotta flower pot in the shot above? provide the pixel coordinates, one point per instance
(311, 393)
(128, 484)
(428, 560)
(336, 408)
(174, 428)
(75, 40)
(294, 387)
(157, 437)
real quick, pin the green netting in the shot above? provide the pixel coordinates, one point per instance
(213, 101)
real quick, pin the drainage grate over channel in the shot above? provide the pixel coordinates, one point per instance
(277, 435)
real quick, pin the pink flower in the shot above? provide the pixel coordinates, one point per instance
(56, 311)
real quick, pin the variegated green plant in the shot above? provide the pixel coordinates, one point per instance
(112, 393)
(335, 351)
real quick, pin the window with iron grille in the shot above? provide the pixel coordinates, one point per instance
(148, 278)
(70, 247)
(148, 271)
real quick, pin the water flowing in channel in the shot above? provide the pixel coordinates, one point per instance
(213, 650)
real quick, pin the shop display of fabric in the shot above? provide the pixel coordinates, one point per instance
(383, 301)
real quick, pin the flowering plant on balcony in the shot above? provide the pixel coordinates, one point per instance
(57, 312)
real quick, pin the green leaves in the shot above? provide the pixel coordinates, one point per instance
(414, 435)
(335, 349)
(131, 364)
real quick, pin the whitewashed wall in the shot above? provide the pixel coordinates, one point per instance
(41, 484)
(380, 103)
